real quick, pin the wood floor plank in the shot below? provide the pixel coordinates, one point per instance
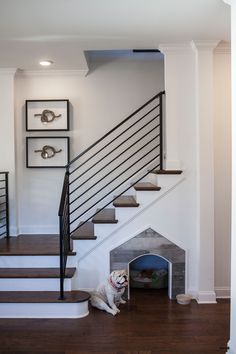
(149, 323)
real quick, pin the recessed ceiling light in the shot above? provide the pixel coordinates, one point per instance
(46, 62)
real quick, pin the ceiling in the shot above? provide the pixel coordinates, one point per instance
(61, 30)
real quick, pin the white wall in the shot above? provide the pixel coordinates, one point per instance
(7, 139)
(222, 168)
(111, 91)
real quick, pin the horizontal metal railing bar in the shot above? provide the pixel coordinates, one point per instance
(4, 173)
(117, 126)
(110, 152)
(142, 137)
(4, 233)
(115, 168)
(3, 218)
(3, 195)
(1, 226)
(125, 190)
(111, 182)
(118, 136)
(117, 196)
(3, 210)
(2, 187)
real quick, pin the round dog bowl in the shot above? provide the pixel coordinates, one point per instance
(183, 299)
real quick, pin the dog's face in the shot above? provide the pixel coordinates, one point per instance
(119, 278)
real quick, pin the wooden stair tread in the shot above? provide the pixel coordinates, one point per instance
(34, 273)
(105, 216)
(167, 172)
(125, 201)
(31, 245)
(42, 296)
(84, 232)
(146, 186)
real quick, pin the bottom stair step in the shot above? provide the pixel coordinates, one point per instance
(42, 296)
(43, 304)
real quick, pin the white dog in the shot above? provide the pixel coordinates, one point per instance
(108, 295)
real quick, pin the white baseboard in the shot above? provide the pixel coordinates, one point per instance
(222, 292)
(38, 229)
(13, 230)
(206, 297)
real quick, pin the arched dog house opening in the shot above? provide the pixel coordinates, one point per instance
(149, 242)
(149, 272)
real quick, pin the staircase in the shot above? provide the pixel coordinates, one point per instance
(101, 175)
(105, 186)
(30, 279)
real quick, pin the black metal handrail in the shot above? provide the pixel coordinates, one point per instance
(64, 232)
(106, 167)
(4, 205)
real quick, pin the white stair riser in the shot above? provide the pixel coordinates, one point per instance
(124, 213)
(145, 197)
(29, 284)
(34, 261)
(44, 310)
(102, 230)
(167, 180)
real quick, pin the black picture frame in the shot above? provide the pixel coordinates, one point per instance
(47, 151)
(47, 115)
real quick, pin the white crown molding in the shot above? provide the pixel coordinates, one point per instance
(51, 73)
(175, 48)
(223, 48)
(8, 71)
(208, 45)
(229, 2)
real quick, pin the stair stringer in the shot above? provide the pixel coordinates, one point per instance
(93, 263)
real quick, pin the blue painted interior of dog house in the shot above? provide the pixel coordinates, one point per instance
(149, 262)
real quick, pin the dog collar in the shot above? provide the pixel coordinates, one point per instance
(114, 286)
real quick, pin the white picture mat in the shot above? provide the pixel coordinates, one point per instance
(37, 107)
(58, 160)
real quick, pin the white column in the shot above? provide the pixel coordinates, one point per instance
(232, 341)
(7, 139)
(179, 87)
(205, 168)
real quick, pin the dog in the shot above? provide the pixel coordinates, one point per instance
(108, 295)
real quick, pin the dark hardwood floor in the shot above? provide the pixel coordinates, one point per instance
(150, 323)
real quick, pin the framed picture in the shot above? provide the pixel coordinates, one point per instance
(47, 152)
(47, 115)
